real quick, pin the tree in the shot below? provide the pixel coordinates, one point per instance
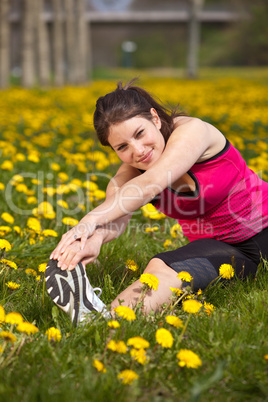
(4, 43)
(82, 42)
(70, 42)
(58, 43)
(28, 43)
(42, 46)
(194, 38)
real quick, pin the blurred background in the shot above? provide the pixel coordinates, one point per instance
(58, 42)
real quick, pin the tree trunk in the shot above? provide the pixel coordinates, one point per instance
(28, 43)
(4, 43)
(70, 42)
(58, 43)
(82, 43)
(194, 38)
(43, 46)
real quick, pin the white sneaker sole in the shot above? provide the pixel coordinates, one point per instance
(71, 291)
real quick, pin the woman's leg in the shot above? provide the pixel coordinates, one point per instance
(154, 298)
(201, 259)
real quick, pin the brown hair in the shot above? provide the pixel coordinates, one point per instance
(126, 102)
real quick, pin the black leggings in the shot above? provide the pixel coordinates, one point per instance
(203, 258)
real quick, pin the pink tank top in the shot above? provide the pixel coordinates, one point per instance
(230, 202)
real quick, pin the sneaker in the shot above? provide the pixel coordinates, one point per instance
(72, 292)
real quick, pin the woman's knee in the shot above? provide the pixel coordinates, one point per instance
(154, 265)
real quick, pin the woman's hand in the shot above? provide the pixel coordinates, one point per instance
(83, 230)
(73, 253)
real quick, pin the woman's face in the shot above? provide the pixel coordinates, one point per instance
(138, 141)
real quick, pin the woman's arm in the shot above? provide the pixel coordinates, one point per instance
(186, 145)
(106, 232)
(73, 253)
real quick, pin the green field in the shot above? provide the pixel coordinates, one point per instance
(52, 172)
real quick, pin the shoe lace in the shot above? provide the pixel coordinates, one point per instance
(98, 290)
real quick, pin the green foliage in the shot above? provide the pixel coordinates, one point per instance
(231, 342)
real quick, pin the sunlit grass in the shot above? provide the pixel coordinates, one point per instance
(52, 168)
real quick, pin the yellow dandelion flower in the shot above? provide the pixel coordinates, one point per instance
(2, 186)
(199, 292)
(175, 230)
(17, 230)
(266, 357)
(167, 243)
(175, 321)
(5, 245)
(164, 338)
(127, 376)
(42, 267)
(36, 182)
(151, 229)
(117, 346)
(191, 306)
(34, 224)
(30, 271)
(49, 233)
(63, 204)
(8, 336)
(1, 349)
(138, 342)
(33, 157)
(45, 209)
(150, 211)
(139, 355)
(7, 165)
(113, 324)
(27, 328)
(130, 264)
(11, 264)
(4, 230)
(150, 280)
(125, 312)
(38, 278)
(188, 359)
(226, 271)
(7, 217)
(209, 308)
(99, 194)
(99, 366)
(32, 241)
(55, 167)
(63, 176)
(19, 157)
(32, 200)
(185, 276)
(70, 221)
(14, 318)
(53, 334)
(89, 185)
(2, 314)
(177, 291)
(12, 285)
(21, 188)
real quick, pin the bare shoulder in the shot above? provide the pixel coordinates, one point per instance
(199, 129)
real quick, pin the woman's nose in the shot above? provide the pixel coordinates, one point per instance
(138, 149)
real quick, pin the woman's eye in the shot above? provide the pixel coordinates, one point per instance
(121, 148)
(139, 133)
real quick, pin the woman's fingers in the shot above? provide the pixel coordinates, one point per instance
(81, 231)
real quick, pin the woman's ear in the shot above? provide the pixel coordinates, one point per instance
(156, 119)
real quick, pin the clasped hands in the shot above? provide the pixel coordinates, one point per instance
(77, 244)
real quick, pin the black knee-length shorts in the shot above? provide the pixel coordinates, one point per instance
(203, 258)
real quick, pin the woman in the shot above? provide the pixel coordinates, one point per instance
(189, 171)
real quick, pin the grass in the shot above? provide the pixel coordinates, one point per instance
(231, 342)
